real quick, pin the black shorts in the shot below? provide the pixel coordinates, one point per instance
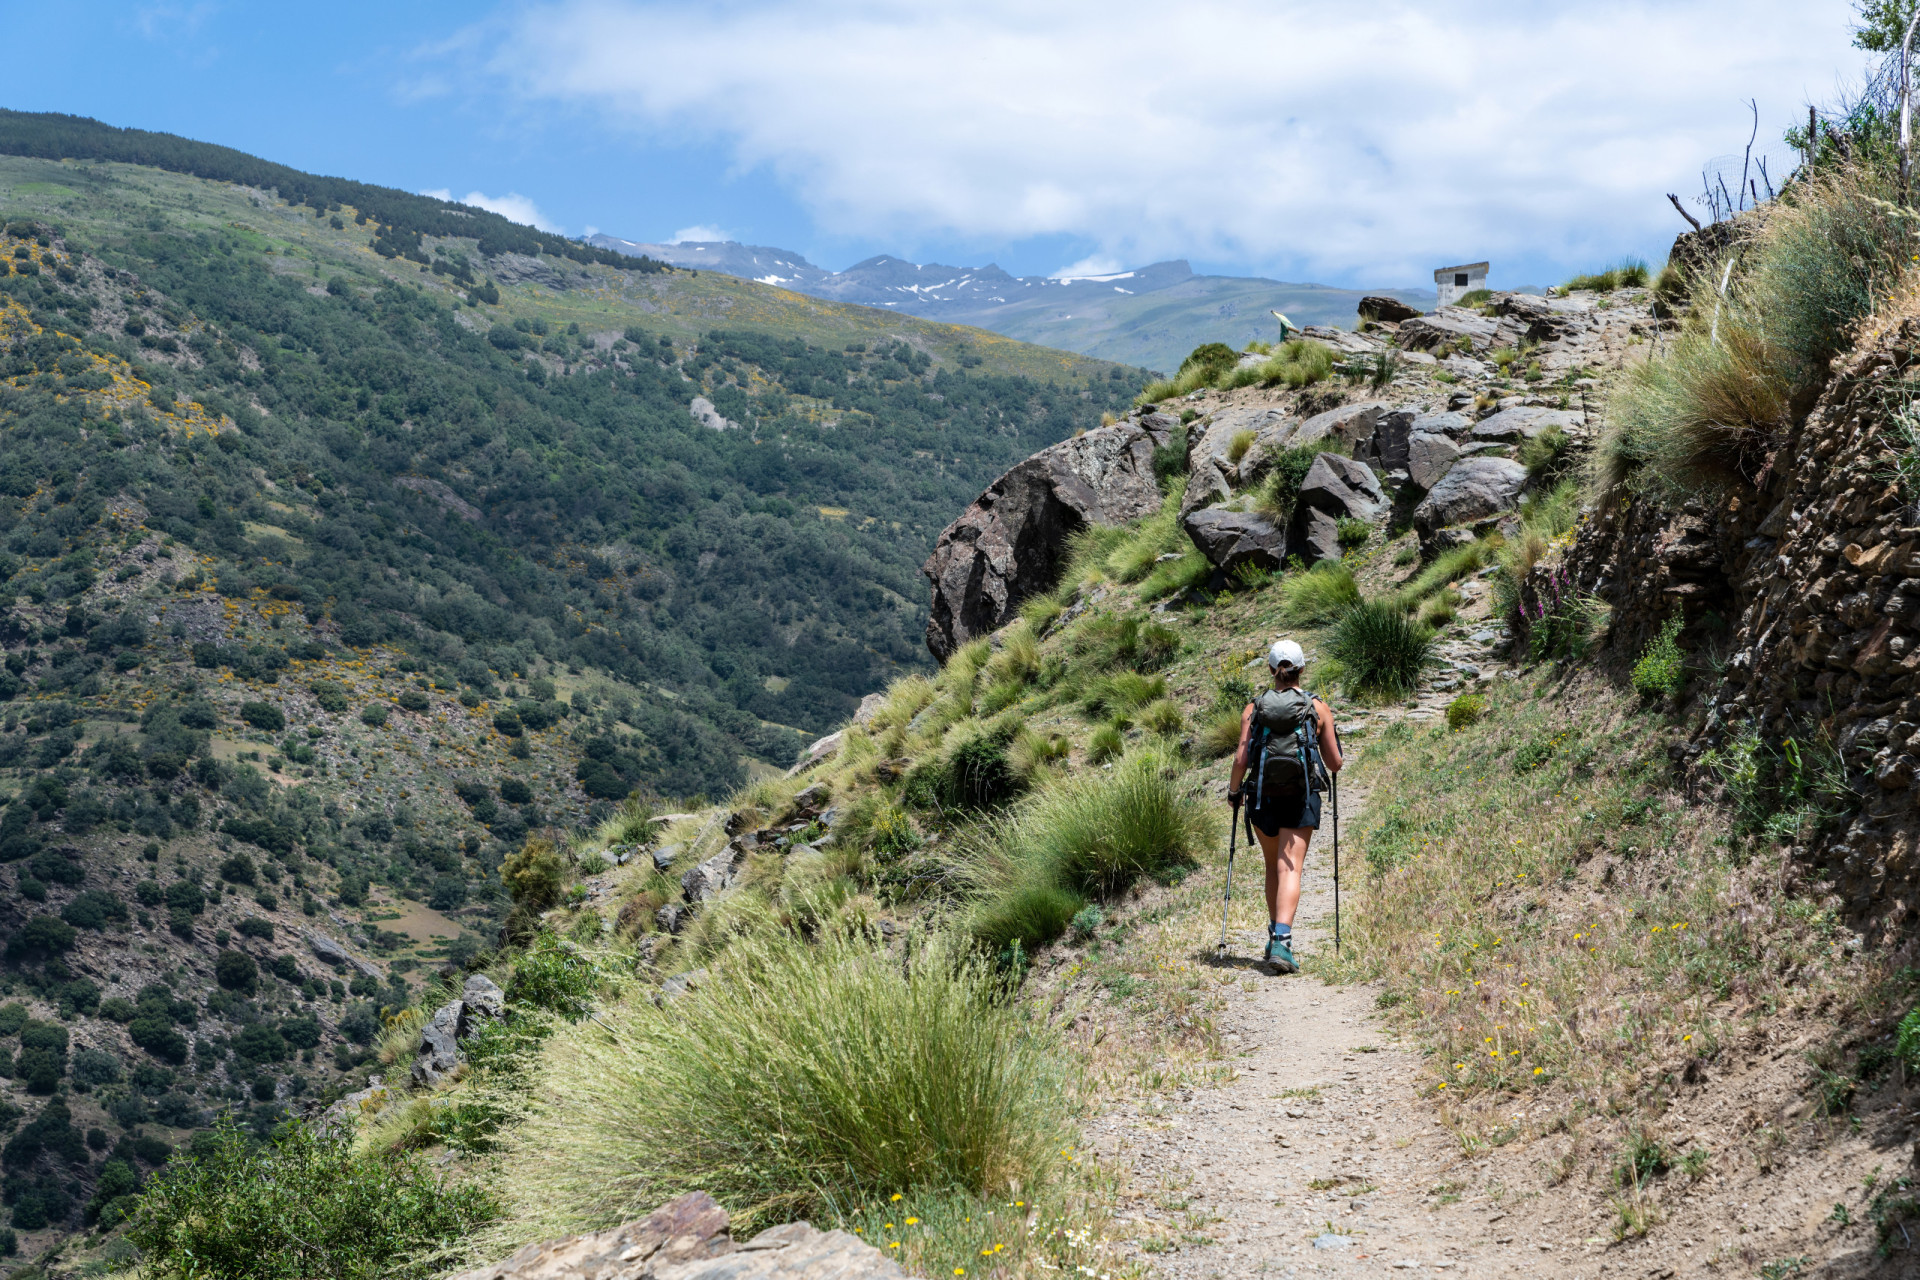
(1277, 814)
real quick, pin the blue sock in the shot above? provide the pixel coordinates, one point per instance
(1280, 931)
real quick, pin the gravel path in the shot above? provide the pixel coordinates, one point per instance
(1320, 1157)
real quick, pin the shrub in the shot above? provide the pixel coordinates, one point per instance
(414, 700)
(974, 771)
(534, 874)
(254, 927)
(235, 971)
(1661, 670)
(507, 724)
(555, 975)
(1381, 649)
(1351, 533)
(263, 715)
(374, 713)
(515, 791)
(1465, 710)
(1318, 596)
(798, 1080)
(303, 1205)
(238, 868)
(1279, 490)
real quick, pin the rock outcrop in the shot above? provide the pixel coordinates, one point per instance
(1815, 561)
(690, 1239)
(1473, 489)
(1230, 539)
(1008, 545)
(1391, 310)
(1335, 489)
(458, 1020)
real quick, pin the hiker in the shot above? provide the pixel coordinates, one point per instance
(1287, 740)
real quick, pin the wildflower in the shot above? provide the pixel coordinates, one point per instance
(1539, 1071)
(913, 1222)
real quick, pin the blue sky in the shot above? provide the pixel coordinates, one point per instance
(1300, 141)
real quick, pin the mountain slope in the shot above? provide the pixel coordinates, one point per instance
(327, 580)
(1151, 317)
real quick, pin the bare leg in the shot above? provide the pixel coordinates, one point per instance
(1286, 856)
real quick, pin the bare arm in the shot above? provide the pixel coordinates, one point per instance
(1240, 752)
(1329, 740)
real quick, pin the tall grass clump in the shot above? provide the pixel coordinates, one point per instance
(1132, 557)
(1318, 596)
(1709, 411)
(1300, 362)
(302, 1205)
(1101, 832)
(1381, 650)
(800, 1080)
(1628, 274)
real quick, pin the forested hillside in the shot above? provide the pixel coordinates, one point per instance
(484, 484)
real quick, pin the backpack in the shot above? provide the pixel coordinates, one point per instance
(1285, 748)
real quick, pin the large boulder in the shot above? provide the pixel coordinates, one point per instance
(691, 1239)
(1335, 489)
(1473, 489)
(1447, 327)
(1230, 539)
(713, 875)
(1344, 488)
(1349, 424)
(1008, 545)
(1392, 310)
(1212, 474)
(1386, 448)
(1429, 456)
(480, 1001)
(1522, 423)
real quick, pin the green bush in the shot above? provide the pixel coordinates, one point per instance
(303, 1205)
(1352, 533)
(555, 975)
(1465, 710)
(263, 715)
(974, 771)
(1381, 650)
(374, 714)
(798, 1081)
(1319, 596)
(1279, 490)
(1661, 670)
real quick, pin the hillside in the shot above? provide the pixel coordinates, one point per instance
(339, 560)
(1151, 317)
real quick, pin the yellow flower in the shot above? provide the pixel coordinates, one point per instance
(896, 1195)
(913, 1222)
(1539, 1071)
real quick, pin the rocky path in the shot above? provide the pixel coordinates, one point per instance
(1321, 1157)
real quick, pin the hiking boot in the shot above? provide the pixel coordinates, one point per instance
(1280, 955)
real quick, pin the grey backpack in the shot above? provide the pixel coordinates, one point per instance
(1285, 747)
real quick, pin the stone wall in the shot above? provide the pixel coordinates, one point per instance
(1807, 587)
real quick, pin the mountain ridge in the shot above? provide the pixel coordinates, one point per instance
(1150, 316)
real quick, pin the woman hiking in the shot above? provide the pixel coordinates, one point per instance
(1288, 744)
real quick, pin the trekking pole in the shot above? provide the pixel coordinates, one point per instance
(1336, 864)
(1233, 834)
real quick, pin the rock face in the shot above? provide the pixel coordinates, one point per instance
(1212, 476)
(480, 1001)
(1007, 546)
(1391, 310)
(711, 876)
(1511, 425)
(1230, 539)
(1447, 327)
(1429, 455)
(690, 1239)
(1474, 489)
(1335, 489)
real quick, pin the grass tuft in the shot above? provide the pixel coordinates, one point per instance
(799, 1078)
(1382, 650)
(1320, 595)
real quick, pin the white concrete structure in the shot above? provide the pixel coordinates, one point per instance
(1454, 281)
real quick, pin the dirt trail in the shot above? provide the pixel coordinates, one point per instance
(1320, 1157)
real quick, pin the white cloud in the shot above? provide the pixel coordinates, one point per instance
(695, 234)
(512, 206)
(1099, 264)
(1347, 142)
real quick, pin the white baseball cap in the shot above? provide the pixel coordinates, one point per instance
(1285, 653)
